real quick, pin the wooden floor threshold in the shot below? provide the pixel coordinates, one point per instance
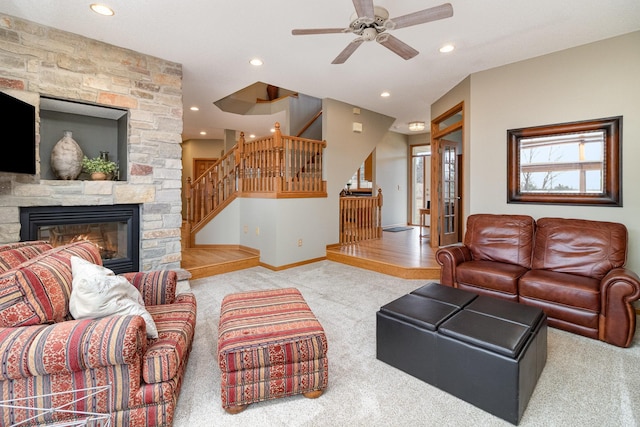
(220, 268)
(378, 266)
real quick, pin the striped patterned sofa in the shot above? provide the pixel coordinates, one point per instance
(48, 357)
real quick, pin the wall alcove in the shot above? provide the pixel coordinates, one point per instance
(95, 128)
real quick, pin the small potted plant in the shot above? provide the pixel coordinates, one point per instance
(98, 167)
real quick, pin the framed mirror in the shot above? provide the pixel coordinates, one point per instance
(568, 163)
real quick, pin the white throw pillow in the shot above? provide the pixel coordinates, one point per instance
(97, 292)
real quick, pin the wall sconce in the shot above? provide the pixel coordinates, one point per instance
(416, 126)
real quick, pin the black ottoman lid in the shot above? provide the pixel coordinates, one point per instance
(454, 296)
(507, 310)
(491, 333)
(423, 312)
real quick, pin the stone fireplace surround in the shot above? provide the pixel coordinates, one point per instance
(42, 61)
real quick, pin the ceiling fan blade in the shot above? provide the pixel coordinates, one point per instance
(307, 31)
(346, 53)
(421, 17)
(396, 46)
(364, 8)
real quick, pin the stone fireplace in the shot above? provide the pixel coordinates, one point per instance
(114, 229)
(43, 62)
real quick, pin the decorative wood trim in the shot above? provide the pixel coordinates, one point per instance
(611, 194)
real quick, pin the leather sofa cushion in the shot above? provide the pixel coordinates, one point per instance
(496, 276)
(501, 238)
(561, 289)
(581, 247)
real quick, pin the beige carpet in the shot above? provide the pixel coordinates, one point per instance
(585, 382)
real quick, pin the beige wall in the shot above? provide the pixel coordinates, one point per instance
(592, 81)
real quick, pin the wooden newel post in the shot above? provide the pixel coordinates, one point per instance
(188, 196)
(277, 147)
(379, 219)
(277, 136)
(240, 149)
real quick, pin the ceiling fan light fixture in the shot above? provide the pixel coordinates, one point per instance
(369, 34)
(416, 126)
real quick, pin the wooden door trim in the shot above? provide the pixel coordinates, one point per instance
(436, 168)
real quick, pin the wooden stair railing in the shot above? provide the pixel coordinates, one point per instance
(360, 218)
(275, 166)
(208, 194)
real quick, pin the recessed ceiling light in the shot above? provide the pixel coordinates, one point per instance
(203, 133)
(447, 48)
(194, 108)
(102, 9)
(252, 136)
(256, 62)
(385, 94)
(273, 130)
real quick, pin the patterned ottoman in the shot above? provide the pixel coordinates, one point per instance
(270, 345)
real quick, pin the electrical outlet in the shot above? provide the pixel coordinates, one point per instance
(246, 229)
(257, 231)
(299, 242)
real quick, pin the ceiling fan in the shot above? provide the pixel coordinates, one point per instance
(371, 22)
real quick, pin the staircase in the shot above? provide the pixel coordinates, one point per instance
(276, 166)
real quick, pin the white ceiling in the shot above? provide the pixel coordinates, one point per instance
(214, 41)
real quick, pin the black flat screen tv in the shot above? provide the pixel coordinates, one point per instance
(18, 120)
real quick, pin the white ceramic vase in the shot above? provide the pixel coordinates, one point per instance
(66, 157)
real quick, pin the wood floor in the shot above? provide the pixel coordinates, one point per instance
(400, 254)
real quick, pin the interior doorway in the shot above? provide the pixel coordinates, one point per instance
(420, 181)
(201, 164)
(447, 133)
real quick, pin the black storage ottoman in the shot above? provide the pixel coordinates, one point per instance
(486, 351)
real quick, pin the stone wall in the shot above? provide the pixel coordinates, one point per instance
(36, 61)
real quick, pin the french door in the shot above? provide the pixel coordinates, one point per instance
(450, 212)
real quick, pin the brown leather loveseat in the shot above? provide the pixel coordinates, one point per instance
(572, 269)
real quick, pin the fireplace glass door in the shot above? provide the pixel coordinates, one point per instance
(114, 229)
(110, 237)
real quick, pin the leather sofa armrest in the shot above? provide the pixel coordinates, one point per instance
(618, 291)
(449, 258)
(72, 346)
(157, 287)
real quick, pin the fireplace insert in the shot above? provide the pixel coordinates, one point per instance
(115, 229)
